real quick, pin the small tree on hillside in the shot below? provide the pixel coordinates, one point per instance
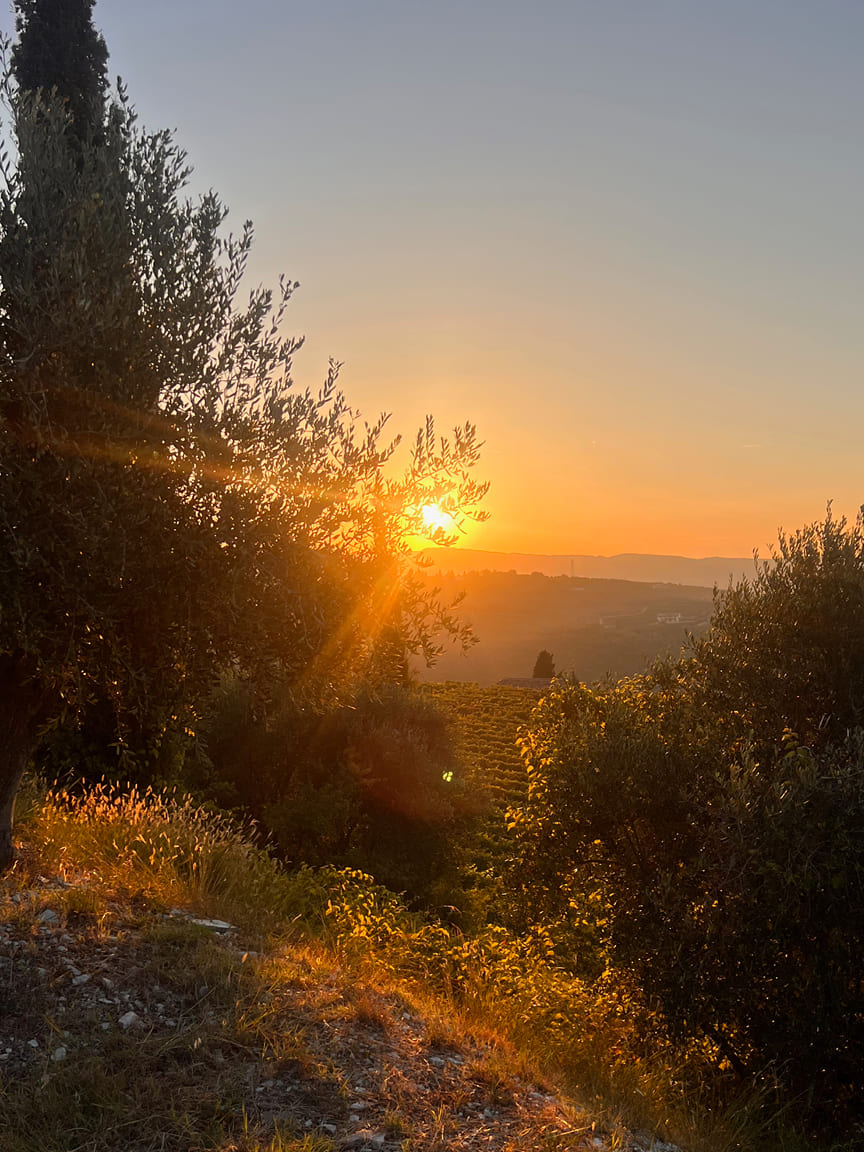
(544, 666)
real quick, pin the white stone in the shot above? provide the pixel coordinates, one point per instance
(129, 1020)
(59, 1054)
(214, 925)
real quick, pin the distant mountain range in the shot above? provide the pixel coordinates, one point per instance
(703, 573)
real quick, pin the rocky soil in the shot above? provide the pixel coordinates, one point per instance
(146, 1029)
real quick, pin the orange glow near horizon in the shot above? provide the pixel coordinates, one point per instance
(599, 520)
(667, 365)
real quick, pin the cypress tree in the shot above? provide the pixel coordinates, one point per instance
(60, 51)
(544, 666)
(65, 247)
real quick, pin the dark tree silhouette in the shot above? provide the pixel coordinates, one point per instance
(544, 666)
(65, 232)
(59, 50)
(169, 506)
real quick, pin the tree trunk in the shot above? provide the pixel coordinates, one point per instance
(22, 710)
(11, 770)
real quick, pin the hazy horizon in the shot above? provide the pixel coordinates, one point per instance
(701, 571)
(458, 548)
(623, 239)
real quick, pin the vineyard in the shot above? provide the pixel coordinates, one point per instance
(485, 723)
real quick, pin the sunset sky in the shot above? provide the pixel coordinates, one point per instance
(624, 237)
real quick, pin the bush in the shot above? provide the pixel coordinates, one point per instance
(727, 849)
(786, 649)
(371, 784)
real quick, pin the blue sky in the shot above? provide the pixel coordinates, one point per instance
(624, 238)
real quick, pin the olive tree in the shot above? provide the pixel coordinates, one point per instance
(169, 506)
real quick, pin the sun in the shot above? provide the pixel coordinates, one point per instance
(435, 519)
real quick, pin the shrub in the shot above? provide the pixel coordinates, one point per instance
(371, 783)
(727, 849)
(786, 649)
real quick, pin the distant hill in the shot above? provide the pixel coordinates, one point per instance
(703, 573)
(592, 627)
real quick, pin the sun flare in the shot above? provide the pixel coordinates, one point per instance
(434, 519)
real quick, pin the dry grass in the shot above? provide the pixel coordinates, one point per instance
(354, 961)
(159, 848)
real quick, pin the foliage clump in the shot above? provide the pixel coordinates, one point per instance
(717, 806)
(368, 781)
